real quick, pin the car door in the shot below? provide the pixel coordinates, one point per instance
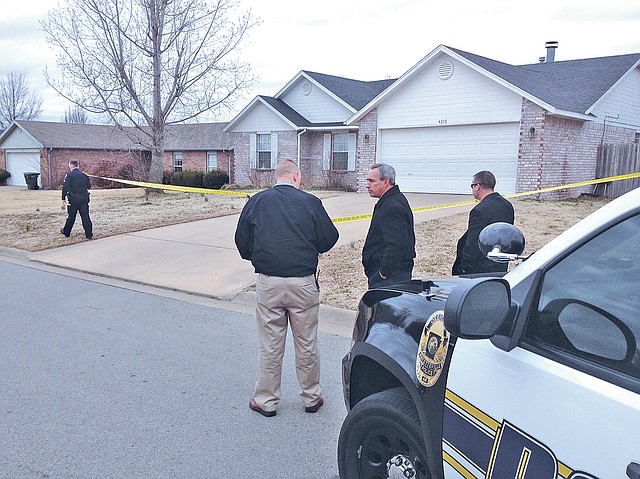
(566, 401)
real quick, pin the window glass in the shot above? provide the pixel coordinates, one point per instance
(264, 151)
(177, 161)
(212, 161)
(589, 304)
(340, 151)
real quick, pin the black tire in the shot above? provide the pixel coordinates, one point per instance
(378, 428)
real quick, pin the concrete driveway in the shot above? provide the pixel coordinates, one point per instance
(201, 258)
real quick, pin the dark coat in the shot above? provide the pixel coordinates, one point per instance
(282, 230)
(76, 187)
(469, 259)
(390, 245)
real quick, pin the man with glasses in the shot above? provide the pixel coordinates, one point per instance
(492, 208)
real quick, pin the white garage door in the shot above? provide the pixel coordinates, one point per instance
(19, 163)
(444, 159)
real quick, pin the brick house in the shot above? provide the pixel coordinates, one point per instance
(104, 150)
(450, 115)
(306, 121)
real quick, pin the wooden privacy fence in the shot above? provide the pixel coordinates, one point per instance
(616, 160)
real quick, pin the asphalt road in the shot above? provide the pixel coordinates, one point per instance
(99, 381)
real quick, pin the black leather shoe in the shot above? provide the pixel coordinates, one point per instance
(254, 407)
(62, 233)
(314, 408)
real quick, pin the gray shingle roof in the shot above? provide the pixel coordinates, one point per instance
(572, 85)
(198, 136)
(355, 93)
(79, 136)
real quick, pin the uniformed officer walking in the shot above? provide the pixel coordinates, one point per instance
(75, 196)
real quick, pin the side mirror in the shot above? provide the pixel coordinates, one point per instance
(501, 242)
(477, 308)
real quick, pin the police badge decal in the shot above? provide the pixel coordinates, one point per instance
(432, 350)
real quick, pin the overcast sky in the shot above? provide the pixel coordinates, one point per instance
(368, 39)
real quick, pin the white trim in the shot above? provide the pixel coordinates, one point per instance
(250, 106)
(303, 74)
(12, 128)
(326, 151)
(595, 105)
(274, 150)
(253, 151)
(351, 155)
(443, 49)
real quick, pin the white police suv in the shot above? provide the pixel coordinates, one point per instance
(533, 375)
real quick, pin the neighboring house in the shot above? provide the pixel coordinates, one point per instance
(452, 114)
(116, 152)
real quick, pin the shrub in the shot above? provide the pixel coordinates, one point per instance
(188, 178)
(166, 177)
(4, 174)
(215, 179)
(104, 168)
(127, 173)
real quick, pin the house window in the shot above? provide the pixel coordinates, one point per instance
(637, 139)
(212, 161)
(177, 161)
(264, 151)
(340, 151)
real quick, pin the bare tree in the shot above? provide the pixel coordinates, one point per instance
(17, 100)
(75, 114)
(150, 63)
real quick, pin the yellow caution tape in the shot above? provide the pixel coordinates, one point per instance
(628, 176)
(182, 189)
(347, 219)
(421, 209)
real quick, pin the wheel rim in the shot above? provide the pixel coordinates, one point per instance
(383, 443)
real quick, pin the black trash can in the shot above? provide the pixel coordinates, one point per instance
(32, 180)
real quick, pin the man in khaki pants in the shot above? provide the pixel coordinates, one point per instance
(281, 231)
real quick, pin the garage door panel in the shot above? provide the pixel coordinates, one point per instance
(443, 159)
(19, 163)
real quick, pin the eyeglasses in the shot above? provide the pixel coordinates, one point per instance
(475, 184)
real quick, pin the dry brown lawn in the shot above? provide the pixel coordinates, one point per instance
(31, 220)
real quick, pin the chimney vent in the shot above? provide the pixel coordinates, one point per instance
(541, 59)
(551, 51)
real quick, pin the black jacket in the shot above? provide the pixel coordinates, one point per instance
(282, 230)
(469, 259)
(390, 245)
(76, 187)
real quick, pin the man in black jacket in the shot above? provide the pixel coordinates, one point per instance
(281, 231)
(493, 208)
(390, 246)
(75, 196)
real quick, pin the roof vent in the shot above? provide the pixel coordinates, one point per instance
(551, 51)
(445, 70)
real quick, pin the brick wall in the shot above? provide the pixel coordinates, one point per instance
(55, 165)
(366, 148)
(555, 151)
(312, 165)
(197, 161)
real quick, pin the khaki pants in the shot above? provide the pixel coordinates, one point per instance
(283, 301)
